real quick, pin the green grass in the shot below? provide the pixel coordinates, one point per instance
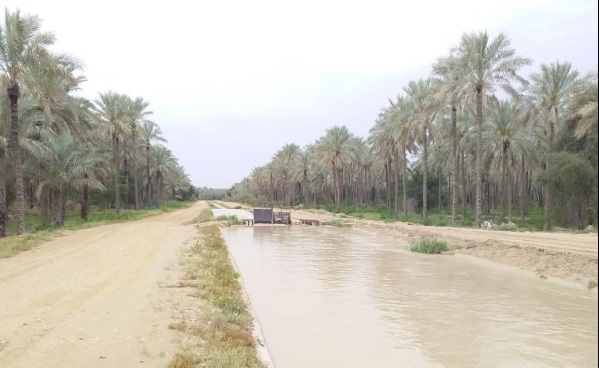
(230, 220)
(592, 284)
(429, 246)
(37, 233)
(533, 222)
(336, 223)
(225, 328)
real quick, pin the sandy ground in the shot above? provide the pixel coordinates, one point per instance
(566, 256)
(99, 297)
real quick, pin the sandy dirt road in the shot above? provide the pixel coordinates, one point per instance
(98, 297)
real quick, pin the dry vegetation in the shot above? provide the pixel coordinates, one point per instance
(219, 333)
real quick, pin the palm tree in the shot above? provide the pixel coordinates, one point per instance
(111, 109)
(149, 132)
(335, 149)
(507, 140)
(163, 165)
(3, 146)
(137, 113)
(384, 144)
(423, 107)
(584, 106)
(23, 48)
(450, 89)
(487, 63)
(70, 168)
(551, 89)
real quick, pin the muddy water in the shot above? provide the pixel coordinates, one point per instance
(331, 297)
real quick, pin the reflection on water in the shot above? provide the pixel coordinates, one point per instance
(338, 297)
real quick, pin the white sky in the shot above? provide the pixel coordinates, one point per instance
(230, 82)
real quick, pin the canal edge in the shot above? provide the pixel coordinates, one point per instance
(261, 346)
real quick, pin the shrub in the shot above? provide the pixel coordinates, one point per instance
(429, 246)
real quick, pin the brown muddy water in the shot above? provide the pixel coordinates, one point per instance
(339, 297)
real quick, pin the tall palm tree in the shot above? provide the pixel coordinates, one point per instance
(70, 168)
(551, 89)
(149, 132)
(23, 48)
(3, 148)
(423, 107)
(384, 144)
(112, 109)
(137, 113)
(450, 89)
(163, 166)
(335, 149)
(507, 140)
(487, 63)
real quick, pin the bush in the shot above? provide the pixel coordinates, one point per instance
(429, 246)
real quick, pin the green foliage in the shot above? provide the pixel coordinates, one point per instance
(336, 223)
(570, 179)
(230, 220)
(429, 246)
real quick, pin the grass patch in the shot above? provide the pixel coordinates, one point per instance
(229, 220)
(429, 246)
(336, 223)
(509, 226)
(38, 233)
(592, 284)
(226, 326)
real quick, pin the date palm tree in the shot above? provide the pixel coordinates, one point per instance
(23, 49)
(423, 108)
(111, 108)
(449, 87)
(487, 63)
(334, 150)
(71, 168)
(551, 89)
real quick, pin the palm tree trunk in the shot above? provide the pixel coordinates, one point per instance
(117, 192)
(85, 201)
(509, 194)
(504, 182)
(148, 178)
(57, 207)
(15, 150)
(479, 154)
(396, 184)
(404, 184)
(547, 204)
(134, 167)
(455, 169)
(3, 206)
(424, 176)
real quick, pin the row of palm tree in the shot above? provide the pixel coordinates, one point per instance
(483, 131)
(56, 147)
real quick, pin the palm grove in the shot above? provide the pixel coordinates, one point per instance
(57, 148)
(476, 137)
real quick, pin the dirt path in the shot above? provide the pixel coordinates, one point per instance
(97, 297)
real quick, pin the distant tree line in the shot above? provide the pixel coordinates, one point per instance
(473, 149)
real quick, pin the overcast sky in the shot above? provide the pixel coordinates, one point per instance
(230, 82)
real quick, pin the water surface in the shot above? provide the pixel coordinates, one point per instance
(339, 297)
